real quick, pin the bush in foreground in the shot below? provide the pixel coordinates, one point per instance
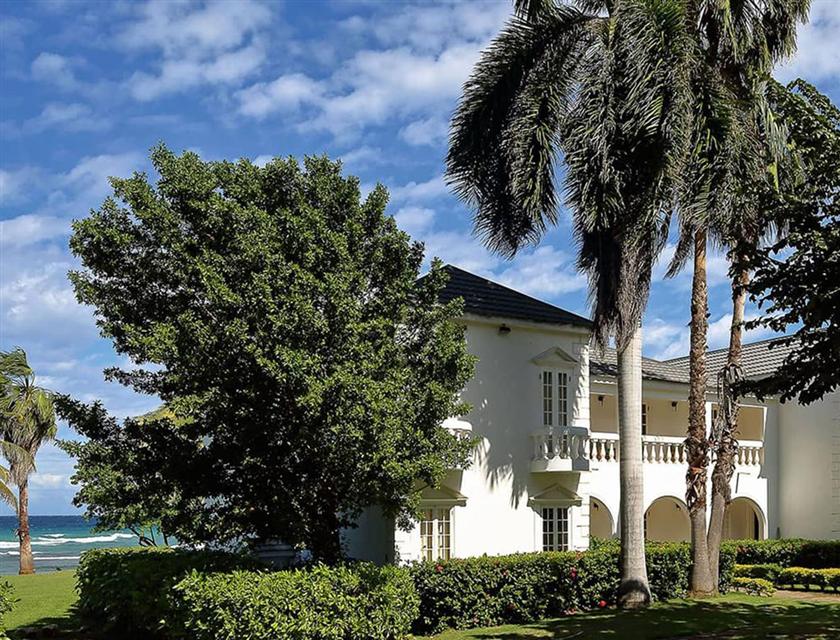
(487, 591)
(769, 572)
(805, 577)
(130, 590)
(323, 603)
(753, 586)
(794, 552)
(7, 600)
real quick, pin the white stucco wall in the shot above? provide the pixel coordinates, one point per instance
(809, 465)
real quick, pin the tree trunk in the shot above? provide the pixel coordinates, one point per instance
(325, 543)
(726, 445)
(633, 591)
(697, 442)
(27, 566)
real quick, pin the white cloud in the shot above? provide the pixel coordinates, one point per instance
(818, 55)
(14, 184)
(545, 271)
(414, 220)
(28, 229)
(428, 131)
(48, 480)
(418, 191)
(286, 93)
(54, 69)
(216, 43)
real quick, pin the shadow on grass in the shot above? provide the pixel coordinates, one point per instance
(705, 619)
(67, 626)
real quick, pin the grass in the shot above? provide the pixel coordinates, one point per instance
(734, 617)
(42, 599)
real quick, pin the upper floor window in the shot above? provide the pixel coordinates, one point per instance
(644, 418)
(555, 398)
(436, 534)
(555, 528)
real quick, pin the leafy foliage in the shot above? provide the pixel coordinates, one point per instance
(753, 586)
(807, 578)
(130, 590)
(7, 603)
(474, 592)
(797, 279)
(305, 368)
(787, 552)
(321, 603)
(764, 571)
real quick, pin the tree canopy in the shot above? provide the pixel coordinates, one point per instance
(305, 366)
(797, 278)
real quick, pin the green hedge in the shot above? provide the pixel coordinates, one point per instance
(129, 590)
(7, 600)
(806, 577)
(487, 591)
(794, 552)
(335, 603)
(762, 571)
(753, 586)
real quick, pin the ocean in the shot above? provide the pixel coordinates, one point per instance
(57, 541)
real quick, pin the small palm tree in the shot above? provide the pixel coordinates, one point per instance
(603, 85)
(28, 421)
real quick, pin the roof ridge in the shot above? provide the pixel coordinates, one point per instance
(722, 349)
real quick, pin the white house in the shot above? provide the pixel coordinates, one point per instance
(545, 476)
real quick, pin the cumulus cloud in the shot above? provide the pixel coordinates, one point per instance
(29, 229)
(414, 220)
(286, 93)
(420, 191)
(427, 131)
(664, 340)
(544, 271)
(817, 56)
(216, 43)
(54, 69)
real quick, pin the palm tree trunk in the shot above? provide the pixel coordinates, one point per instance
(633, 591)
(697, 441)
(27, 566)
(726, 445)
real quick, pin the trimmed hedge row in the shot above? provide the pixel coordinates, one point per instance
(130, 590)
(822, 578)
(768, 572)
(488, 591)
(795, 552)
(337, 603)
(753, 586)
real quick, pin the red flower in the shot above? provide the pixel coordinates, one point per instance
(573, 574)
(438, 568)
(602, 603)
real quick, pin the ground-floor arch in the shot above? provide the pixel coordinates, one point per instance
(600, 520)
(667, 520)
(744, 521)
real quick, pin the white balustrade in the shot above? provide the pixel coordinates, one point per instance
(575, 444)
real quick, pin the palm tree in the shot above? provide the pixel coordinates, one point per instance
(737, 44)
(28, 420)
(605, 85)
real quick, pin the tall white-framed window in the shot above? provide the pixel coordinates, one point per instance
(555, 397)
(555, 528)
(436, 534)
(644, 418)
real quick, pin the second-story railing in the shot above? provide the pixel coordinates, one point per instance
(578, 445)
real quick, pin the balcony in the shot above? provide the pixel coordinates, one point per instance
(576, 449)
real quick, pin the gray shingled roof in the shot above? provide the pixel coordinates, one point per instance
(759, 359)
(484, 297)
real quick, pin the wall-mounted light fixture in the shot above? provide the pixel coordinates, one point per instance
(601, 400)
(504, 330)
(674, 405)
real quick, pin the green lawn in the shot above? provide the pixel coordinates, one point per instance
(43, 599)
(734, 617)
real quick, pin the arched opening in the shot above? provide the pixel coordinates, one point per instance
(743, 521)
(666, 520)
(600, 520)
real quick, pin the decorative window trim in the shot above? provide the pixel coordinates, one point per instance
(555, 527)
(437, 533)
(556, 396)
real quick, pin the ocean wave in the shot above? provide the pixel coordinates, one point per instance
(45, 558)
(53, 535)
(43, 541)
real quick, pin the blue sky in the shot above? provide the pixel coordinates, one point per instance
(87, 88)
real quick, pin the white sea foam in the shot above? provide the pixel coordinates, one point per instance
(44, 541)
(53, 535)
(46, 558)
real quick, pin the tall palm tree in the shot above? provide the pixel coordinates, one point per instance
(28, 420)
(736, 44)
(604, 85)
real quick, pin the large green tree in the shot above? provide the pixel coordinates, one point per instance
(27, 420)
(797, 278)
(306, 367)
(604, 86)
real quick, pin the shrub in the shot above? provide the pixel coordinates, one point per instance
(793, 552)
(486, 591)
(753, 586)
(323, 603)
(129, 590)
(806, 577)
(7, 601)
(763, 571)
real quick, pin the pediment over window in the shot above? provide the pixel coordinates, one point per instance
(553, 357)
(442, 496)
(556, 495)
